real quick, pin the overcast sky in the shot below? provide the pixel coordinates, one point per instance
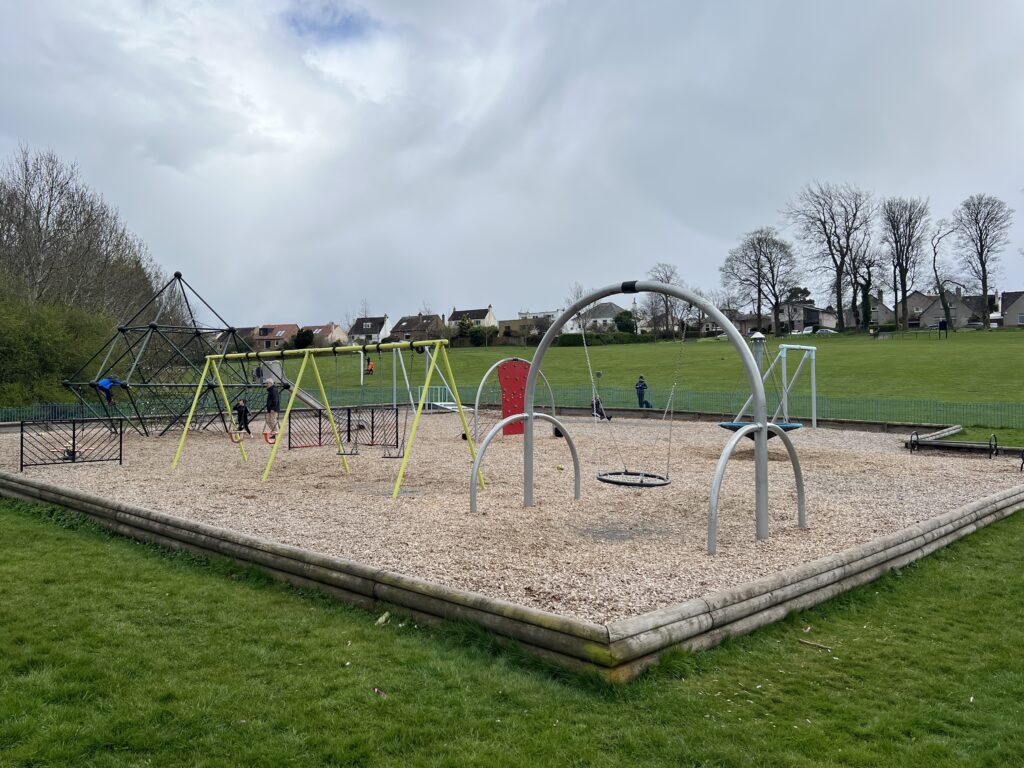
(295, 158)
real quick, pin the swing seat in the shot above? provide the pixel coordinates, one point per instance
(236, 436)
(269, 438)
(628, 478)
(735, 426)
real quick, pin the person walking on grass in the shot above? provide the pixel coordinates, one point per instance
(641, 393)
(242, 417)
(272, 410)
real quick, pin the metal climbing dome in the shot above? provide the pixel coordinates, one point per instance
(148, 372)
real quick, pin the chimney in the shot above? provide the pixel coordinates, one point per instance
(879, 296)
(958, 291)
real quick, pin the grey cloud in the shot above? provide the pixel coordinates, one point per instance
(497, 153)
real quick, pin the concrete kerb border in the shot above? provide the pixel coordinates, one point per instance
(618, 651)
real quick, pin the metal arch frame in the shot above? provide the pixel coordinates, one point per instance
(723, 461)
(760, 415)
(483, 381)
(482, 448)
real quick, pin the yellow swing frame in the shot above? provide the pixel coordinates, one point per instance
(440, 353)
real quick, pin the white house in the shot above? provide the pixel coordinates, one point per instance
(600, 318)
(369, 330)
(478, 317)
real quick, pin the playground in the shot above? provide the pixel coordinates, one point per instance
(616, 553)
(594, 537)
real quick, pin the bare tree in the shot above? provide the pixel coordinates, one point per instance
(742, 273)
(577, 292)
(668, 274)
(425, 308)
(982, 226)
(830, 220)
(762, 266)
(864, 269)
(940, 270)
(694, 314)
(904, 224)
(364, 308)
(61, 243)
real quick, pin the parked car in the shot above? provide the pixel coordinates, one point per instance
(826, 332)
(808, 330)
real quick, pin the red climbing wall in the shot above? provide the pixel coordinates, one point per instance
(512, 375)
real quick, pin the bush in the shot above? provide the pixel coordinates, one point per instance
(481, 335)
(43, 345)
(601, 339)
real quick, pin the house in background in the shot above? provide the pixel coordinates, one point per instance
(1013, 309)
(748, 322)
(963, 310)
(369, 330)
(417, 328)
(550, 315)
(327, 333)
(880, 313)
(483, 318)
(528, 324)
(797, 316)
(599, 318)
(247, 334)
(917, 303)
(273, 336)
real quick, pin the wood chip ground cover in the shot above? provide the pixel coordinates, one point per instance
(614, 554)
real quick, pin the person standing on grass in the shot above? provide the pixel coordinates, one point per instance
(273, 408)
(641, 393)
(242, 416)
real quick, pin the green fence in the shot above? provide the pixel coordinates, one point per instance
(725, 404)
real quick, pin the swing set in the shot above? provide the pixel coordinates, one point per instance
(759, 428)
(437, 359)
(626, 477)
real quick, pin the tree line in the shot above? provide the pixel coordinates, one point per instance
(856, 243)
(851, 242)
(70, 269)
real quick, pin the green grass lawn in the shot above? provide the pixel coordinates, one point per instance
(969, 366)
(117, 654)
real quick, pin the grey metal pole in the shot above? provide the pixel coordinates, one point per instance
(482, 449)
(814, 393)
(785, 386)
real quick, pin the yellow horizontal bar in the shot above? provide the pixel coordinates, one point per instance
(317, 351)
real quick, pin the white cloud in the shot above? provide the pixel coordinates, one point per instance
(292, 158)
